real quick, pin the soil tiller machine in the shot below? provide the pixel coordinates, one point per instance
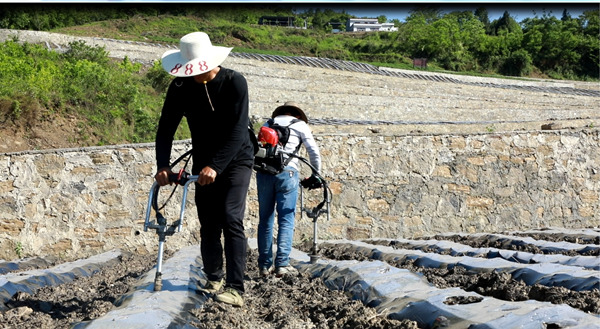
(164, 228)
(161, 225)
(315, 212)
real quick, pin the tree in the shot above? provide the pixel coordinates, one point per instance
(565, 16)
(318, 20)
(506, 22)
(396, 22)
(482, 14)
(413, 36)
(429, 13)
(322, 19)
(454, 38)
(589, 46)
(559, 47)
(381, 19)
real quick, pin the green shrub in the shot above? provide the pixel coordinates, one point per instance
(519, 63)
(159, 78)
(79, 50)
(117, 101)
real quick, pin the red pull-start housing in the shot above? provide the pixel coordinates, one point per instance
(267, 136)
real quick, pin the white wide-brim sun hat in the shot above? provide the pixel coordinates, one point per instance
(196, 55)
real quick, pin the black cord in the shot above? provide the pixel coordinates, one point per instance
(326, 189)
(155, 199)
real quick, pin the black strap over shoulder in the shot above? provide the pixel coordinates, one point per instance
(289, 158)
(253, 139)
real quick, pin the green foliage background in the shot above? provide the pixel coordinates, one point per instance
(121, 100)
(459, 41)
(117, 101)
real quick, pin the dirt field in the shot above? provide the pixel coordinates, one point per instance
(267, 302)
(293, 301)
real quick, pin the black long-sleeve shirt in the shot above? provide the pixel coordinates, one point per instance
(219, 137)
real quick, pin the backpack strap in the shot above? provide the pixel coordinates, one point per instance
(289, 158)
(272, 121)
(253, 139)
(293, 121)
(300, 143)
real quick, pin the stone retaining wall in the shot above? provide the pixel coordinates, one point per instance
(77, 202)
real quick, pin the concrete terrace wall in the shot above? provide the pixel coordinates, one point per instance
(76, 202)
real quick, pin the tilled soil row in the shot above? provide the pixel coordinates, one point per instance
(487, 241)
(293, 301)
(497, 284)
(85, 298)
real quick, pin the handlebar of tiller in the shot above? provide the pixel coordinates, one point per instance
(179, 178)
(182, 178)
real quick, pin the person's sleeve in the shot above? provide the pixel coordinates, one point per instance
(311, 146)
(236, 125)
(170, 118)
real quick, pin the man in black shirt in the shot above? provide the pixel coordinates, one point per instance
(214, 101)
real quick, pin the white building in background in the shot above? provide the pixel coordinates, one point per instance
(388, 27)
(368, 25)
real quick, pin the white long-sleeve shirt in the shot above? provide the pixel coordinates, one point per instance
(299, 131)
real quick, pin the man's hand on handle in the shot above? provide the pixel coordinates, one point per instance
(162, 176)
(207, 176)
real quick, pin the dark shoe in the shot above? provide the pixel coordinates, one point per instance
(283, 270)
(230, 296)
(212, 287)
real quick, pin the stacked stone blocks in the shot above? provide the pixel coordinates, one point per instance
(73, 203)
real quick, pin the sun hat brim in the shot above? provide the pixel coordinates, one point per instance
(289, 105)
(177, 65)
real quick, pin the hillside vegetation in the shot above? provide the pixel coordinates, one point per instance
(460, 41)
(118, 101)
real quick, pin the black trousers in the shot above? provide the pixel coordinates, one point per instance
(221, 207)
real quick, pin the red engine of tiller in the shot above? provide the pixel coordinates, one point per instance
(267, 136)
